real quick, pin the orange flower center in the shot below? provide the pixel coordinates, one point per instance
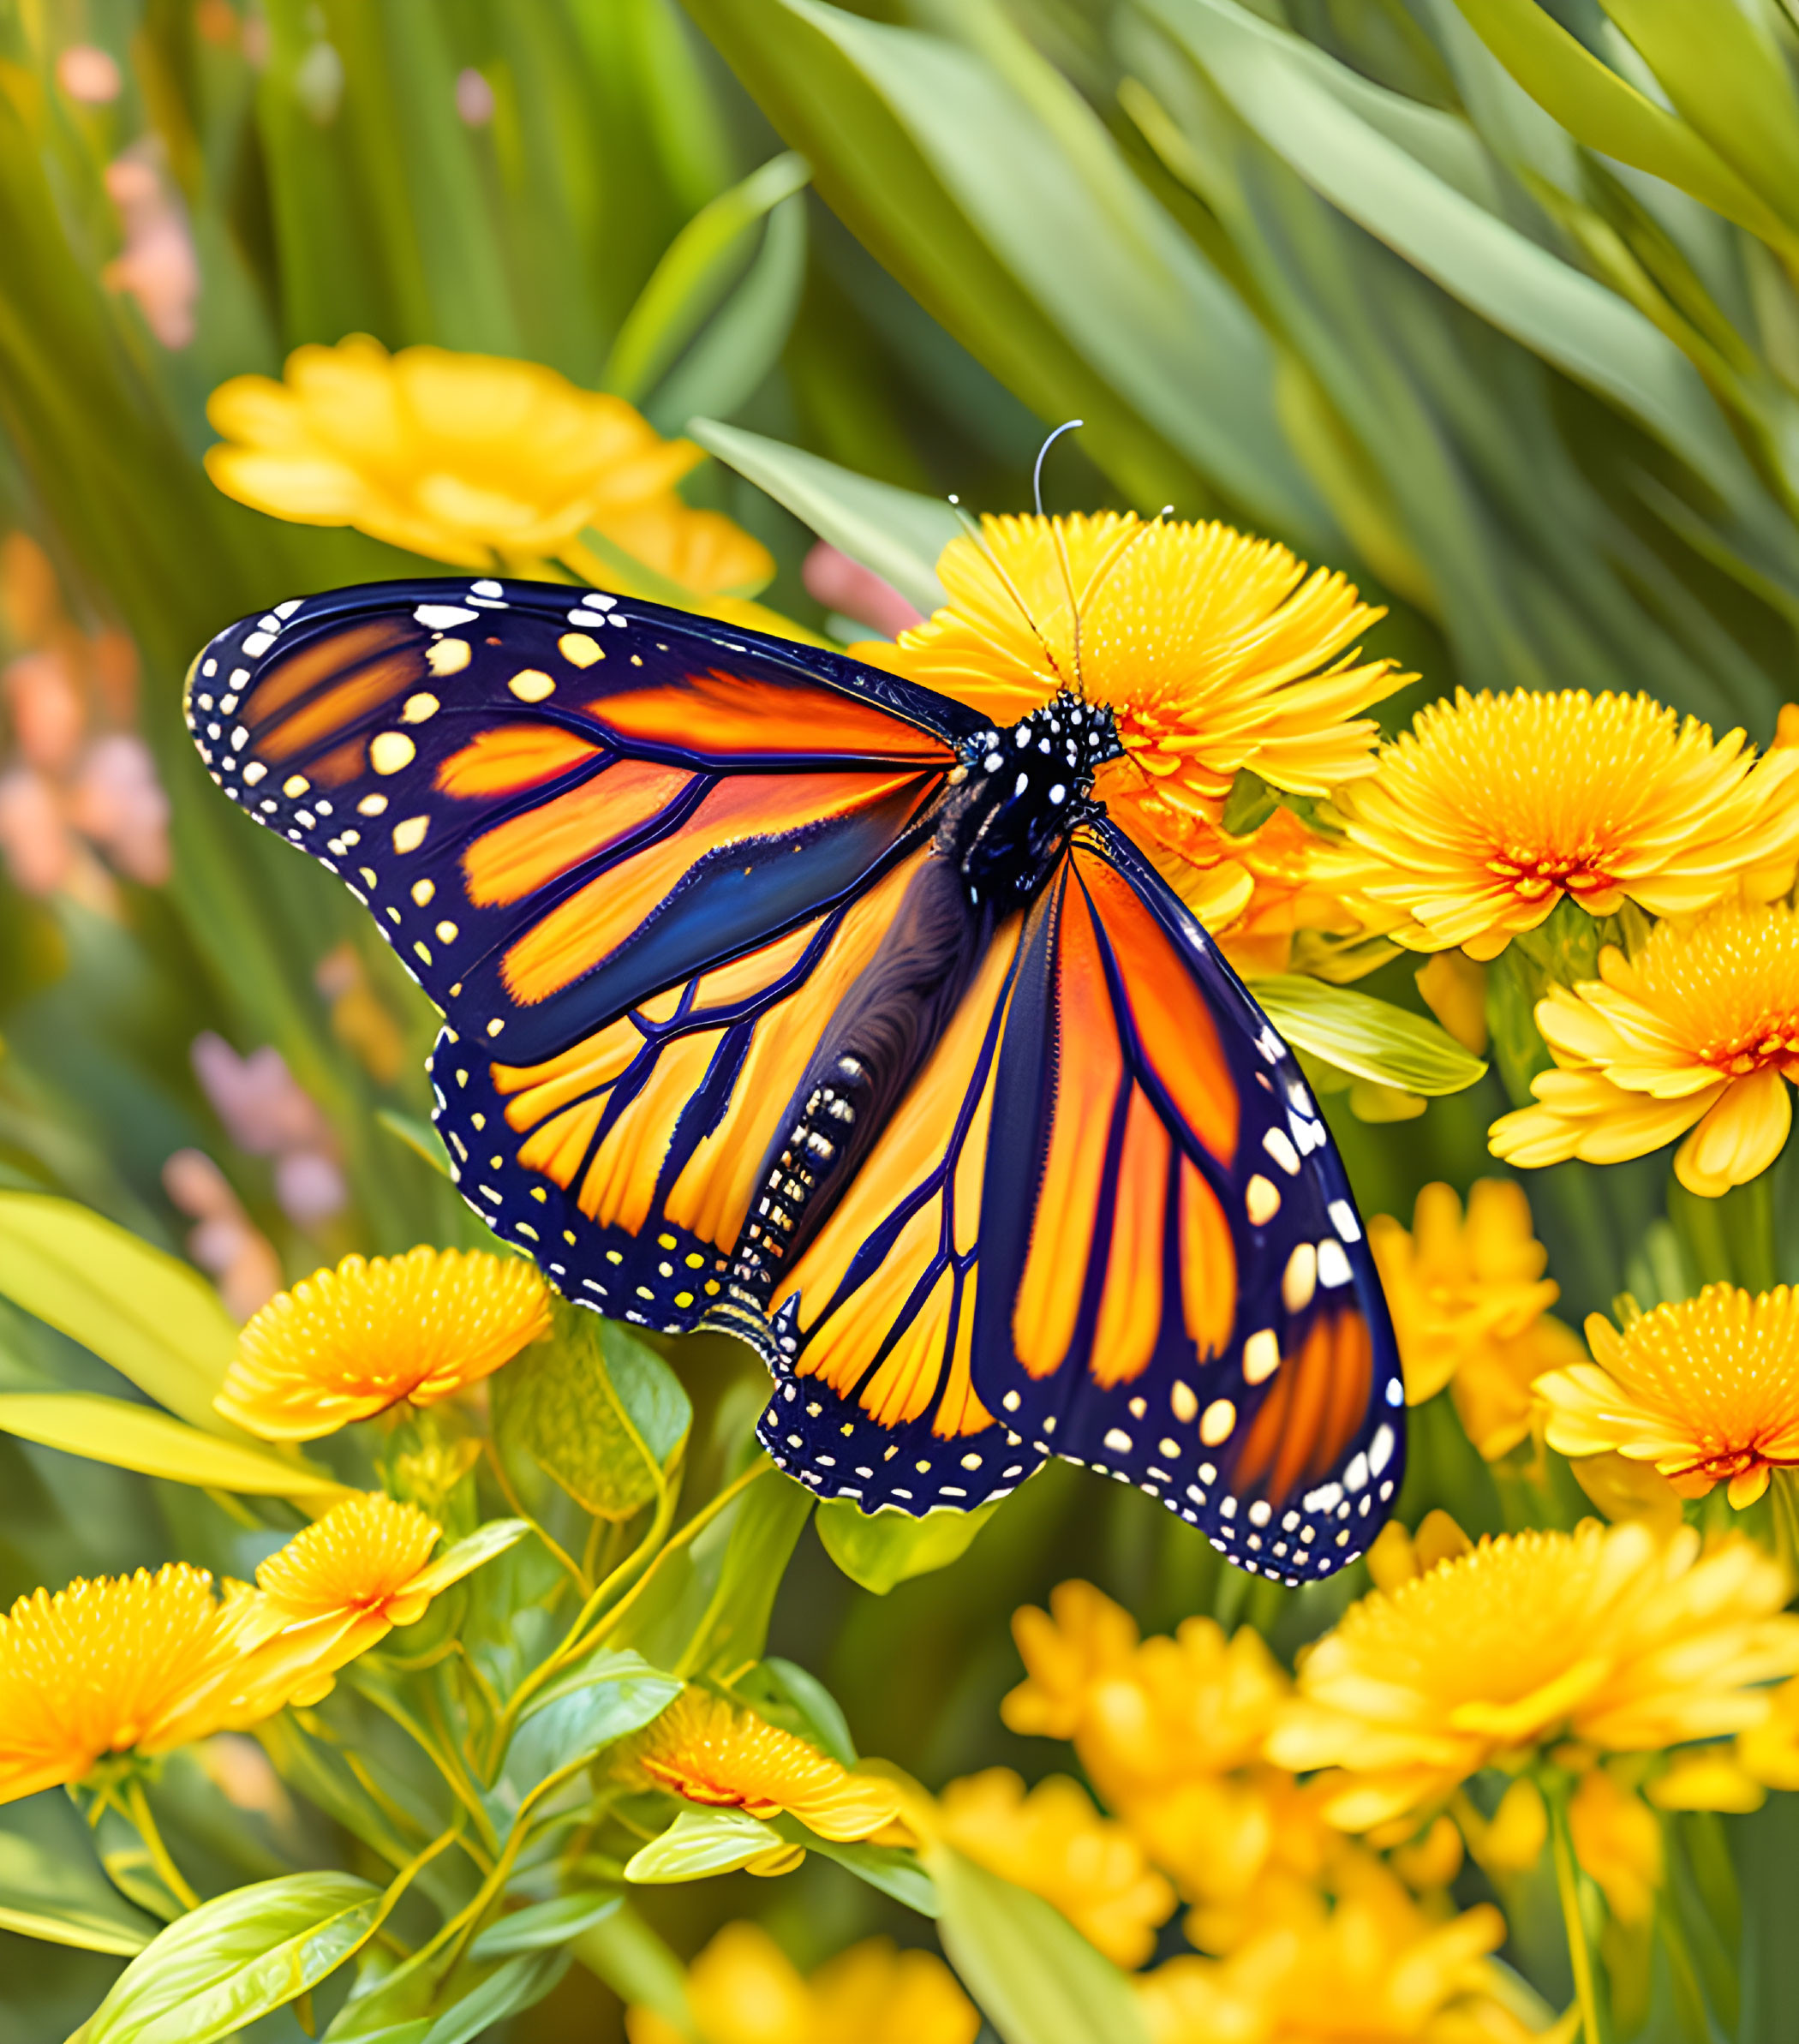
(1727, 989)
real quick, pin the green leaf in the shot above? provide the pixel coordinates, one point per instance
(604, 1415)
(1370, 1038)
(696, 271)
(1036, 1980)
(1005, 206)
(554, 1922)
(155, 1320)
(1607, 113)
(703, 1842)
(1729, 76)
(600, 1701)
(823, 1715)
(639, 1967)
(235, 1959)
(742, 342)
(1562, 313)
(51, 1887)
(895, 533)
(133, 1437)
(419, 1137)
(519, 1984)
(880, 1549)
(892, 1868)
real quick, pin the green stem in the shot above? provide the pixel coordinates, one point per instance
(1784, 1508)
(589, 1627)
(172, 1879)
(583, 1582)
(446, 1763)
(1568, 1886)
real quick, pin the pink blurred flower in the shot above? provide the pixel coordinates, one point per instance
(45, 705)
(310, 1187)
(158, 267)
(845, 585)
(40, 853)
(474, 98)
(264, 1107)
(227, 1243)
(88, 74)
(266, 1112)
(118, 802)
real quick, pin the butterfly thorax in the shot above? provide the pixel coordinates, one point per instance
(1018, 794)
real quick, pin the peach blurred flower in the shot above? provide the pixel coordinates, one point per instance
(266, 1113)
(157, 265)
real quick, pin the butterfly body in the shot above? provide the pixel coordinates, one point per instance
(785, 997)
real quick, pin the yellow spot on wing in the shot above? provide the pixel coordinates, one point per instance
(389, 751)
(449, 656)
(578, 649)
(531, 685)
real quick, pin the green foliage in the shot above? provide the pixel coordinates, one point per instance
(878, 1550)
(1367, 1038)
(155, 1320)
(231, 1961)
(51, 1887)
(599, 1411)
(1039, 1980)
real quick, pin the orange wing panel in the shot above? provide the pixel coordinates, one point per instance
(517, 857)
(510, 758)
(1130, 1313)
(1179, 1035)
(1089, 1071)
(725, 714)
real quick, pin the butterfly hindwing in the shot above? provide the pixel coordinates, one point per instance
(1175, 1289)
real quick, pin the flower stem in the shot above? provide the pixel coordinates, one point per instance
(170, 1875)
(1783, 1509)
(1580, 1953)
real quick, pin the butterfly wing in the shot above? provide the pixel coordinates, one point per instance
(1175, 1286)
(637, 859)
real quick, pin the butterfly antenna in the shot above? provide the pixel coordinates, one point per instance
(1010, 587)
(1061, 543)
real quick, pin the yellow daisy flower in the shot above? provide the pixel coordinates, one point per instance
(1469, 1304)
(743, 1989)
(1605, 1635)
(1376, 1969)
(347, 1343)
(344, 1583)
(703, 1749)
(1054, 1842)
(1216, 653)
(474, 460)
(1706, 1389)
(121, 1664)
(1492, 807)
(1700, 1030)
(1768, 1753)
(1170, 1732)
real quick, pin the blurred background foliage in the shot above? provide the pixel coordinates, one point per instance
(1490, 305)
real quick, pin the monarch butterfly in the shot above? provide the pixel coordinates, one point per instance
(787, 997)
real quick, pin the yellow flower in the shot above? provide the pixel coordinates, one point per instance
(1293, 888)
(1054, 1842)
(1374, 1970)
(1216, 653)
(1769, 1752)
(471, 459)
(1701, 1027)
(701, 1749)
(1170, 1732)
(743, 1989)
(1469, 1304)
(139, 1663)
(1619, 1842)
(349, 1342)
(344, 1583)
(1706, 1389)
(1492, 807)
(1605, 1636)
